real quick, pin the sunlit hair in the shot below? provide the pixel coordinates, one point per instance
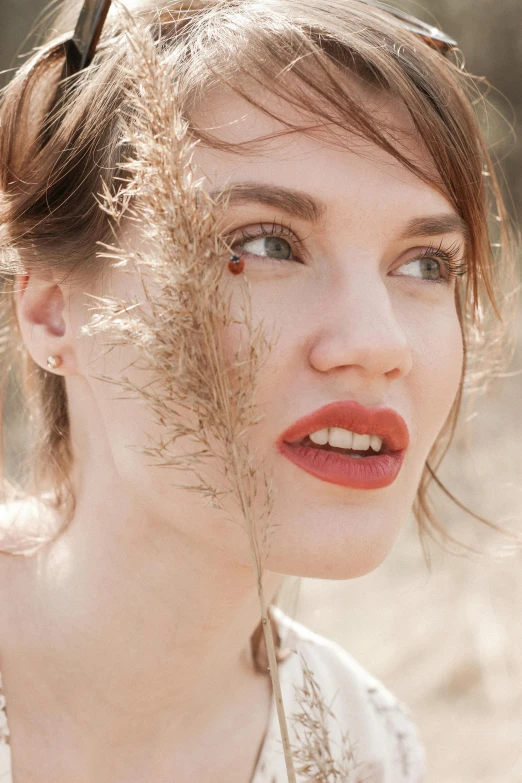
(299, 50)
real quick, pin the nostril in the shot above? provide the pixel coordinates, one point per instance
(392, 375)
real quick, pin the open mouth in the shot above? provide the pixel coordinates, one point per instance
(348, 444)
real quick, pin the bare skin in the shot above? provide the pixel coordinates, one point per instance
(104, 666)
(127, 638)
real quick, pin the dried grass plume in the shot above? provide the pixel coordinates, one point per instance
(194, 390)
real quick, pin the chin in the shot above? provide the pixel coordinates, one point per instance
(337, 546)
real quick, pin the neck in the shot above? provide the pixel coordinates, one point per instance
(138, 618)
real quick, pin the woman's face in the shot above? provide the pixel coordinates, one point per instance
(347, 256)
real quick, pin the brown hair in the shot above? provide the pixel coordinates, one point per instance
(49, 179)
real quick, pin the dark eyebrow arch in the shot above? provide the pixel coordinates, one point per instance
(303, 206)
(435, 225)
(293, 202)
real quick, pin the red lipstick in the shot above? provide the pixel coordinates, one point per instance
(369, 472)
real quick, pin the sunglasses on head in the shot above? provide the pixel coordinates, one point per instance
(80, 49)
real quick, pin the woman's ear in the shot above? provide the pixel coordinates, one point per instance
(41, 308)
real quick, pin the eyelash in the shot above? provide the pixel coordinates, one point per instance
(455, 266)
(274, 230)
(449, 256)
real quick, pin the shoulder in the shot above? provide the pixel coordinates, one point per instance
(372, 725)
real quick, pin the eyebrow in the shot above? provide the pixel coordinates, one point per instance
(293, 202)
(303, 206)
(435, 225)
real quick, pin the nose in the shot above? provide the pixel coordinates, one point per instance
(358, 328)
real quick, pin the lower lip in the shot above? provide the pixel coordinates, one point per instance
(374, 472)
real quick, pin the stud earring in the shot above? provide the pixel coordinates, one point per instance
(53, 362)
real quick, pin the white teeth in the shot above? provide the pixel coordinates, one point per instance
(376, 442)
(320, 437)
(344, 439)
(339, 438)
(361, 442)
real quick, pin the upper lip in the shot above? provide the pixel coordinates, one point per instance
(351, 415)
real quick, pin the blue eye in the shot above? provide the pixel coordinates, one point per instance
(424, 268)
(438, 264)
(271, 246)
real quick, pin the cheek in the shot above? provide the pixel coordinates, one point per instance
(437, 371)
(265, 345)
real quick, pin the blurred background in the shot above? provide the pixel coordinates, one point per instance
(447, 640)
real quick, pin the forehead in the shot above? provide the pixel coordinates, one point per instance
(333, 163)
